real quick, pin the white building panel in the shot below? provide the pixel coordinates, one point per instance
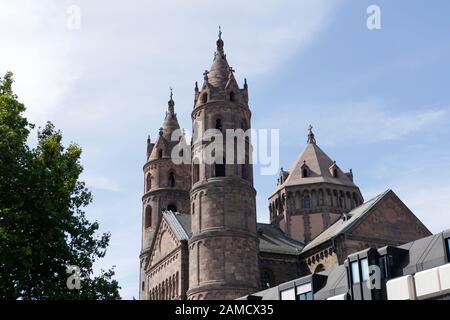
(339, 297)
(444, 278)
(401, 288)
(427, 283)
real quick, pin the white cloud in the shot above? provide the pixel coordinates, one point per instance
(100, 182)
(354, 122)
(106, 84)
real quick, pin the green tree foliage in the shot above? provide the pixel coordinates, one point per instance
(43, 228)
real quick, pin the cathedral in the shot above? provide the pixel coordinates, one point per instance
(200, 235)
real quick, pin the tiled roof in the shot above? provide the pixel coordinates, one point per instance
(273, 240)
(341, 226)
(180, 223)
(319, 165)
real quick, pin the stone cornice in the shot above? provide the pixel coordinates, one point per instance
(162, 190)
(207, 183)
(222, 232)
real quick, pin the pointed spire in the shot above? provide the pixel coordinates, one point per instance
(311, 139)
(171, 103)
(245, 84)
(196, 86)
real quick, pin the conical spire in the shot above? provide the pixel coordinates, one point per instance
(219, 72)
(170, 123)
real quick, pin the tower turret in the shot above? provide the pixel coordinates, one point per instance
(166, 183)
(223, 249)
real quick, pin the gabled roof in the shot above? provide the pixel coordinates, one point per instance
(179, 223)
(273, 240)
(343, 225)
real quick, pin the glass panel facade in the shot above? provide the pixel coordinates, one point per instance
(288, 294)
(448, 248)
(304, 288)
(364, 269)
(305, 296)
(382, 262)
(354, 267)
(306, 202)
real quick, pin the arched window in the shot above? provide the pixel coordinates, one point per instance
(246, 166)
(160, 153)
(220, 169)
(148, 182)
(219, 124)
(305, 173)
(306, 201)
(232, 96)
(205, 98)
(148, 217)
(195, 173)
(244, 125)
(244, 171)
(171, 180)
(172, 207)
(266, 279)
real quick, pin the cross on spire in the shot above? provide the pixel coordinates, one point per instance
(220, 42)
(311, 139)
(171, 103)
(205, 74)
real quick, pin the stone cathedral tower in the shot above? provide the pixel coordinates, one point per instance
(223, 248)
(166, 185)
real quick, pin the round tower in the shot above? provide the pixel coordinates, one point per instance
(166, 183)
(223, 249)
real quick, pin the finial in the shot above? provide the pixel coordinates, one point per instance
(148, 139)
(161, 131)
(311, 139)
(220, 42)
(171, 103)
(196, 86)
(205, 75)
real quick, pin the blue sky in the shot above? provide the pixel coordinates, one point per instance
(379, 100)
